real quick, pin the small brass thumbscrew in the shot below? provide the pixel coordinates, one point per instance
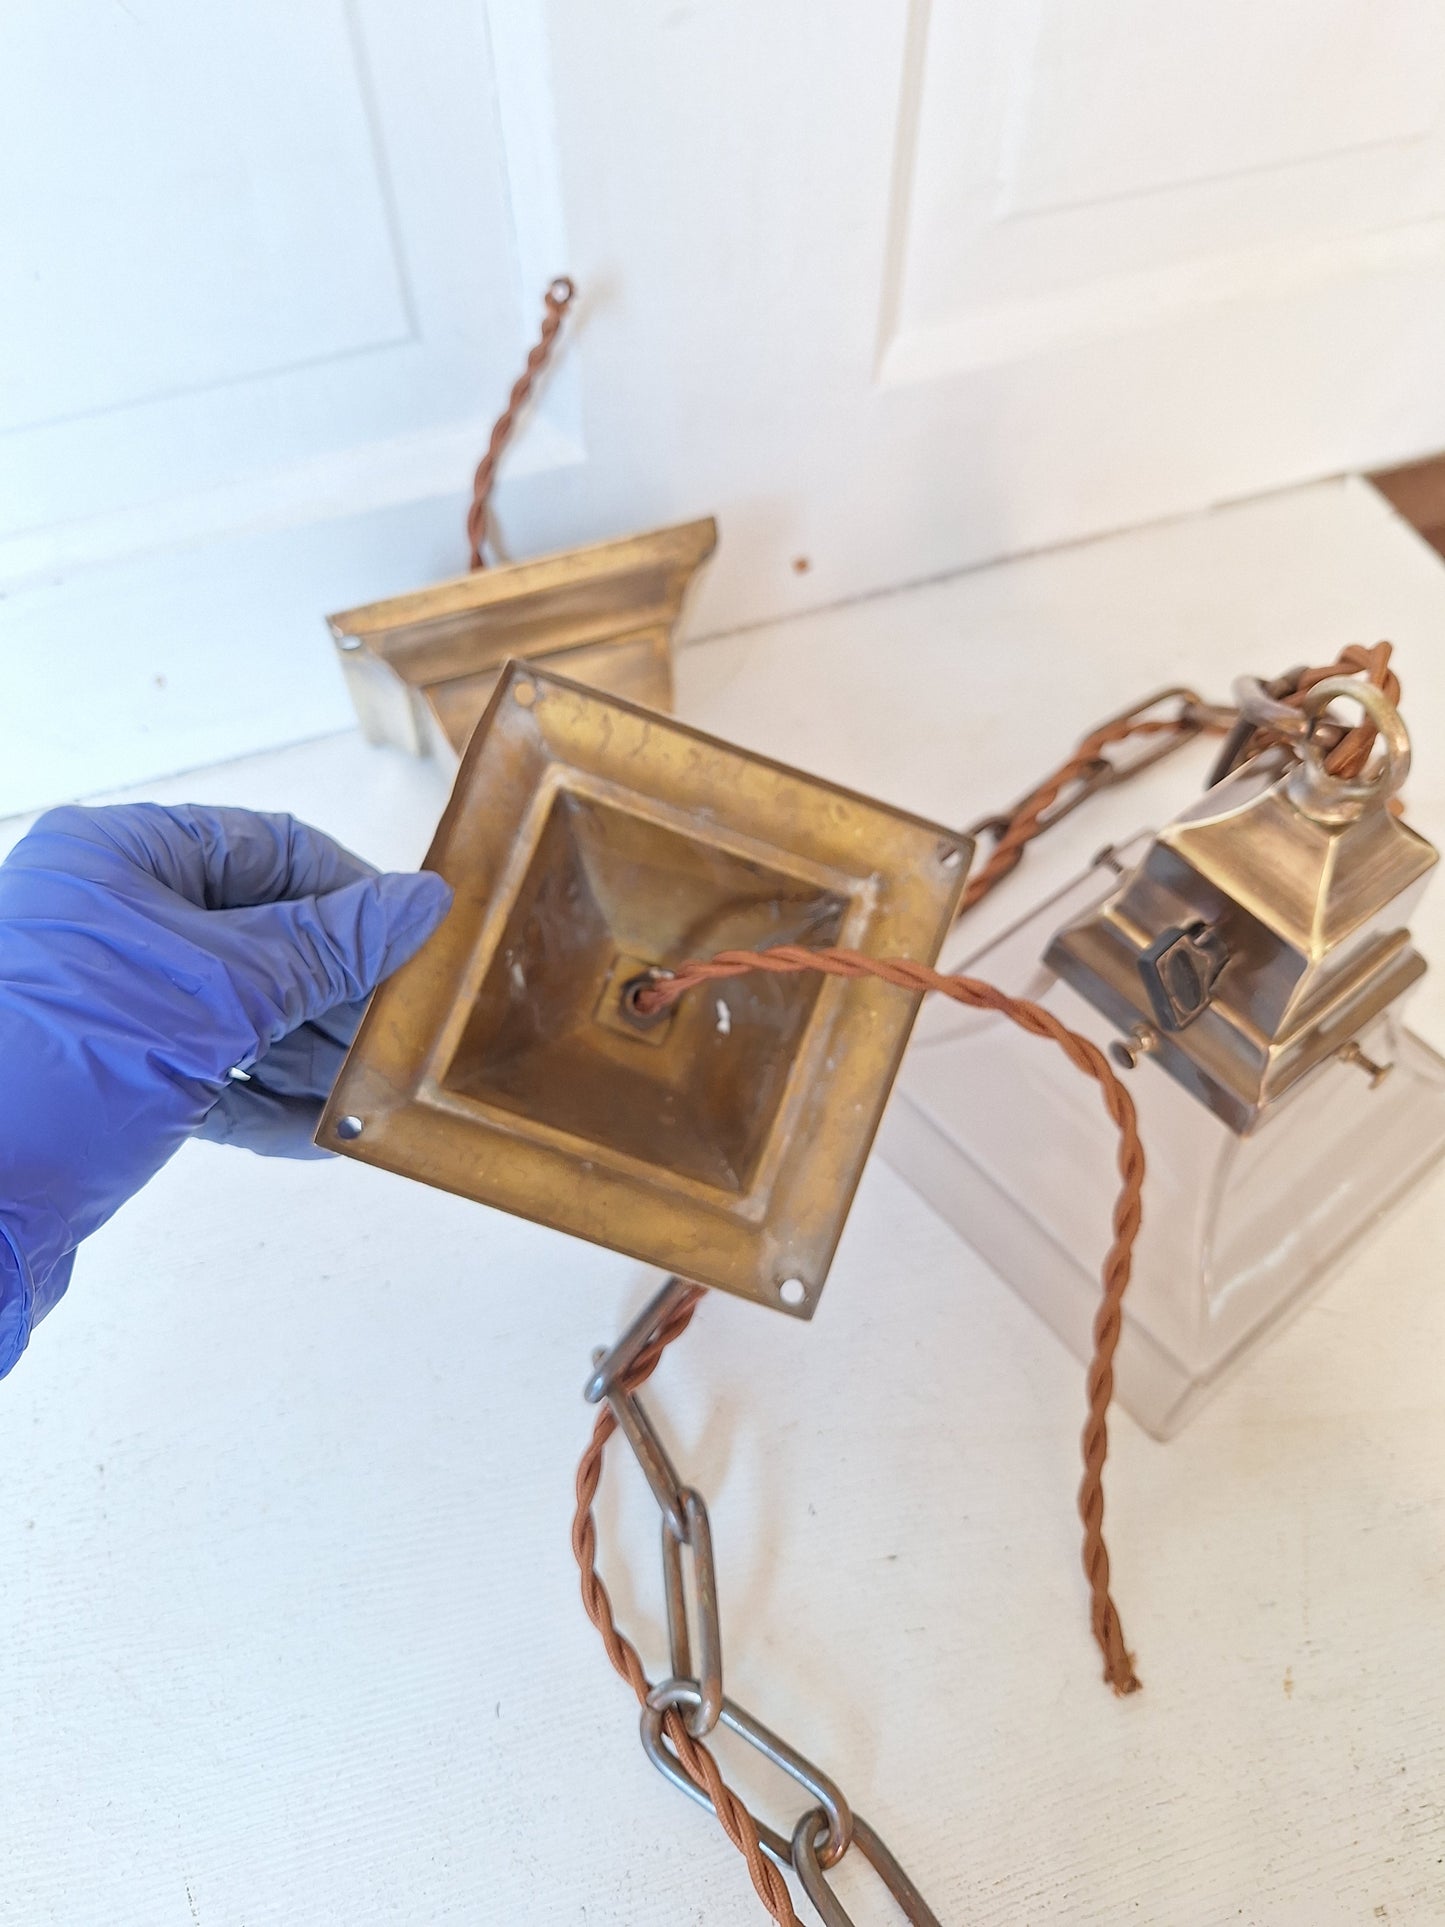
(1126, 1051)
(1352, 1054)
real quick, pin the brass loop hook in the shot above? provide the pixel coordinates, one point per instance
(1339, 799)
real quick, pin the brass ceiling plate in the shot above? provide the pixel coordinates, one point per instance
(588, 840)
(421, 667)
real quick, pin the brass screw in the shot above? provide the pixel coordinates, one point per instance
(1126, 1051)
(1352, 1054)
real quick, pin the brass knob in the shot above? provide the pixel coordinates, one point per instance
(1352, 1054)
(1126, 1051)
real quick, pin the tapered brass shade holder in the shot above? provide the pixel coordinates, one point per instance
(1265, 928)
(421, 668)
(589, 842)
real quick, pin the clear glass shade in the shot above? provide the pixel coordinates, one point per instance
(1005, 1138)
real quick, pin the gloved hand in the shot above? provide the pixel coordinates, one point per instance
(145, 955)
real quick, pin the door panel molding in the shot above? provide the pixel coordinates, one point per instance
(399, 403)
(1120, 170)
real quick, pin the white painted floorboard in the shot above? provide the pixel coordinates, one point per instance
(289, 1633)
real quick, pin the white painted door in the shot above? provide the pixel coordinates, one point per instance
(264, 280)
(892, 286)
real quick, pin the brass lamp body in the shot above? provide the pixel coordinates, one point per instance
(1265, 928)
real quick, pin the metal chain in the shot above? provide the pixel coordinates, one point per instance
(1168, 720)
(629, 1365)
(678, 1713)
(908, 975)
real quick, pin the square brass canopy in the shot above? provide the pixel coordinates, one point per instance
(588, 840)
(421, 668)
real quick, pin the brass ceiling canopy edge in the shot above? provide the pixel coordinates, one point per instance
(590, 841)
(421, 667)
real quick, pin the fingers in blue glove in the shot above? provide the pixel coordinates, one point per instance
(144, 952)
(273, 1124)
(217, 859)
(291, 963)
(274, 1109)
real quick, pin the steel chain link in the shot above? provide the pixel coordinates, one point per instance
(708, 1672)
(828, 1828)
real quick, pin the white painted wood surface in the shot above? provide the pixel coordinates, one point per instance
(892, 286)
(287, 1613)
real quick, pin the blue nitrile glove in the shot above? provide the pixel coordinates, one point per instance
(145, 955)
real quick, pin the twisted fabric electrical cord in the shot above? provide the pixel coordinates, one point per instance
(1352, 752)
(695, 1759)
(1347, 758)
(1108, 1322)
(1030, 818)
(555, 303)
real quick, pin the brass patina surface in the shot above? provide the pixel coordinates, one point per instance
(421, 668)
(589, 841)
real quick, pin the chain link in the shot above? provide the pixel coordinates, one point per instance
(679, 1712)
(704, 1716)
(613, 1368)
(1152, 737)
(836, 1814)
(651, 1454)
(810, 1865)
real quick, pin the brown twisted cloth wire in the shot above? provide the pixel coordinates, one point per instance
(1352, 752)
(695, 1759)
(555, 303)
(1108, 1322)
(1030, 818)
(1346, 758)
